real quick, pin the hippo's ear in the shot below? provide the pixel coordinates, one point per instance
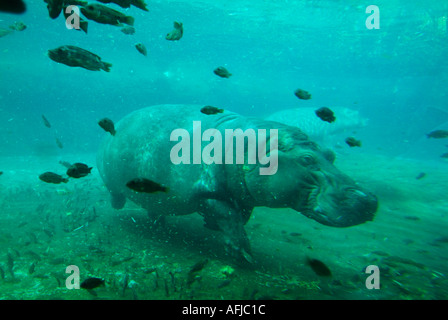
(329, 155)
(287, 139)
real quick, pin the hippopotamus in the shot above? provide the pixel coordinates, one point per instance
(225, 194)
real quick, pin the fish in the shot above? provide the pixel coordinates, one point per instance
(146, 186)
(1, 172)
(83, 24)
(18, 26)
(177, 32)
(222, 72)
(92, 283)
(105, 15)
(59, 143)
(79, 170)
(4, 32)
(445, 155)
(421, 175)
(73, 56)
(141, 48)
(325, 114)
(50, 177)
(318, 267)
(32, 268)
(107, 125)
(302, 94)
(127, 3)
(352, 142)
(12, 6)
(46, 122)
(128, 30)
(199, 266)
(54, 7)
(211, 110)
(438, 134)
(10, 264)
(65, 164)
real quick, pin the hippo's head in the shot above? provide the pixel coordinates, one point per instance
(308, 182)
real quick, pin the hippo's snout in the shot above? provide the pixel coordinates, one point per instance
(344, 207)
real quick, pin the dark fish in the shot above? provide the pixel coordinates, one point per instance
(50, 177)
(211, 110)
(177, 32)
(438, 134)
(59, 143)
(77, 57)
(54, 7)
(445, 155)
(107, 125)
(106, 15)
(46, 122)
(318, 267)
(65, 164)
(31, 269)
(224, 283)
(127, 3)
(18, 26)
(222, 72)
(145, 185)
(83, 24)
(352, 142)
(198, 266)
(12, 6)
(2, 273)
(4, 32)
(420, 175)
(325, 114)
(1, 172)
(92, 283)
(10, 264)
(125, 284)
(78, 170)
(141, 48)
(128, 30)
(302, 94)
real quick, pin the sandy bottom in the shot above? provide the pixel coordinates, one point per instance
(44, 228)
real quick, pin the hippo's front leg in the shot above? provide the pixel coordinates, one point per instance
(223, 216)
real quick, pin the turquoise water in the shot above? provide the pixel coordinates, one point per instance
(388, 85)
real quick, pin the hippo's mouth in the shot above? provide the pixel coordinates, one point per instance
(343, 207)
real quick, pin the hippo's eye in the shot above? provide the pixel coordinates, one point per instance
(307, 160)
